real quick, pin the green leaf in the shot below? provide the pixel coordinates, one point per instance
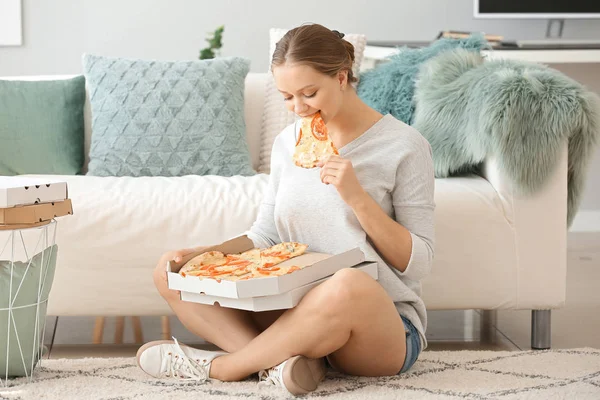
(214, 43)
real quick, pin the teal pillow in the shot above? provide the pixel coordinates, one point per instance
(41, 126)
(167, 118)
(23, 324)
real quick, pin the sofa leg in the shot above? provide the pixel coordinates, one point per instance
(540, 329)
(119, 330)
(98, 330)
(166, 327)
(138, 335)
(487, 326)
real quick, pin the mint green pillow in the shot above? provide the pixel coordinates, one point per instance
(167, 118)
(24, 302)
(41, 126)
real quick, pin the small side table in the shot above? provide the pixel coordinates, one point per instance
(27, 263)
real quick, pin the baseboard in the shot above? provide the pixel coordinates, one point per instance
(584, 242)
(586, 221)
(584, 234)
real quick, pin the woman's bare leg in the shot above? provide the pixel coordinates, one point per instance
(349, 318)
(227, 328)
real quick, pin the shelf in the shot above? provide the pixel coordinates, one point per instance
(547, 56)
(567, 56)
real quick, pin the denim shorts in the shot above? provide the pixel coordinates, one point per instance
(413, 345)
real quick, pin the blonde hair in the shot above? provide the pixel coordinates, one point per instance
(318, 47)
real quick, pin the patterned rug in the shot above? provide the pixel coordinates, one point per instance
(555, 374)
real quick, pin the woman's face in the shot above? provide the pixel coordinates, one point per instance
(306, 91)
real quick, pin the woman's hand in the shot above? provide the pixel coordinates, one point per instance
(339, 172)
(176, 255)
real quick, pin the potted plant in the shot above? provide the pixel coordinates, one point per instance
(214, 44)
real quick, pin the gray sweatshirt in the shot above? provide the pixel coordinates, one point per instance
(393, 164)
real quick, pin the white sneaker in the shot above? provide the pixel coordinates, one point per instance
(170, 359)
(298, 375)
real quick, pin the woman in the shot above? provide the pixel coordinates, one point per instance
(377, 195)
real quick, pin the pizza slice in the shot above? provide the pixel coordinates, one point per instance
(274, 271)
(286, 250)
(277, 254)
(313, 144)
(202, 261)
(251, 255)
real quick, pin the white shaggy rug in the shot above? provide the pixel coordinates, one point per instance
(555, 374)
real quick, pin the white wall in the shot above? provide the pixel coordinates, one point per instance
(588, 75)
(56, 33)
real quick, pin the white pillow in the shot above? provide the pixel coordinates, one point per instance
(275, 115)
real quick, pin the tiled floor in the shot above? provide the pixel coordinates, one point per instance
(576, 325)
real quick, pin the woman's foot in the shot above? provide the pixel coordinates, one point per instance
(171, 359)
(299, 375)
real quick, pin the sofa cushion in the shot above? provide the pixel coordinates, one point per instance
(122, 225)
(163, 118)
(275, 114)
(41, 126)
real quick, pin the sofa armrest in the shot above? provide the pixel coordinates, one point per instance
(539, 221)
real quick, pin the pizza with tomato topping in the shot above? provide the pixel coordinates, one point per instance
(253, 263)
(313, 144)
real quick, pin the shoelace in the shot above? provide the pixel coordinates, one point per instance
(182, 367)
(269, 377)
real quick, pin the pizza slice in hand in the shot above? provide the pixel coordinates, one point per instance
(313, 144)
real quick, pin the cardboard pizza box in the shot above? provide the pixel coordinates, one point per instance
(21, 191)
(35, 213)
(316, 265)
(275, 302)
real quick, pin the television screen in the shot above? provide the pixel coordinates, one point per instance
(538, 8)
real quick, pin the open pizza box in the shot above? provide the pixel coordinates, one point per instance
(316, 266)
(280, 301)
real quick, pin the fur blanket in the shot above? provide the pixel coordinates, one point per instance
(519, 112)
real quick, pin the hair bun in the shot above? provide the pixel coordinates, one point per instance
(340, 34)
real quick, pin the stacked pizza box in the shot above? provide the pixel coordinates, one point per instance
(256, 292)
(29, 202)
